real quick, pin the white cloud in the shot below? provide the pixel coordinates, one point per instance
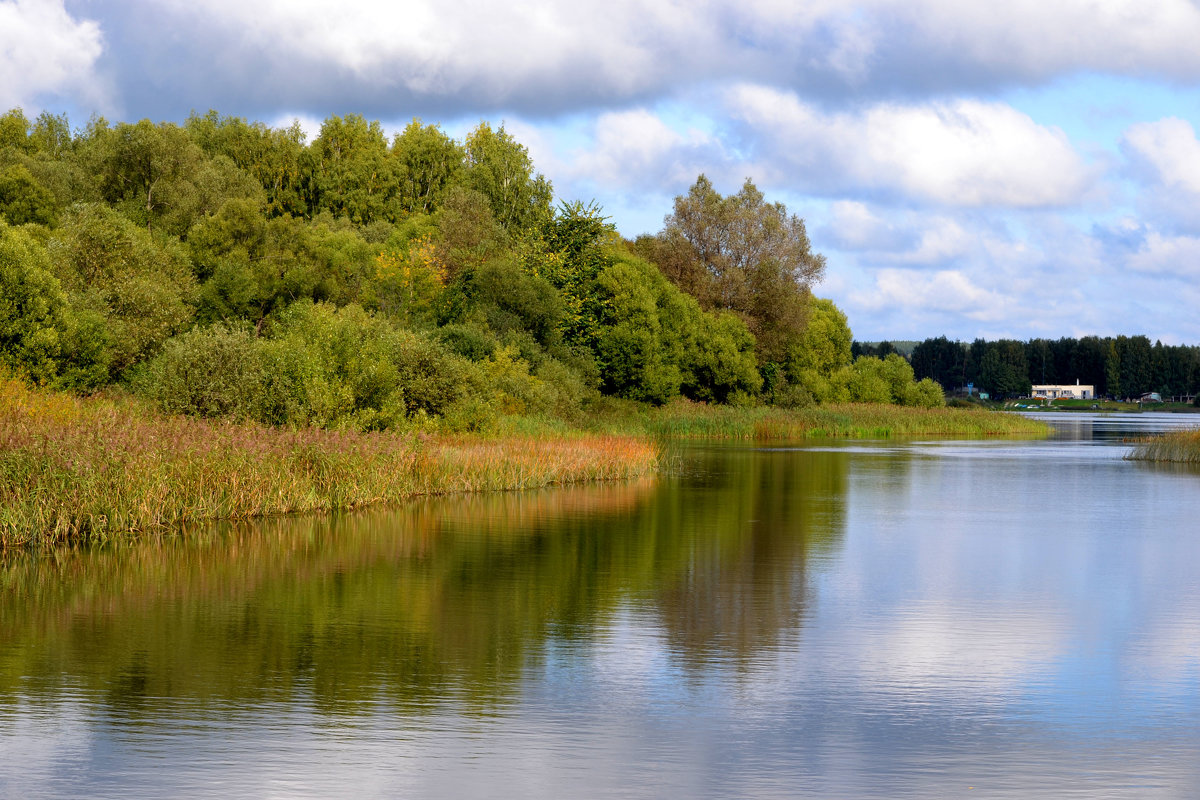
(1033, 39)
(855, 226)
(1164, 157)
(310, 125)
(1168, 149)
(1168, 256)
(637, 148)
(901, 237)
(43, 49)
(942, 291)
(474, 48)
(959, 153)
(552, 56)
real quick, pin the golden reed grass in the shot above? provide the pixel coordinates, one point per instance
(74, 469)
(1180, 447)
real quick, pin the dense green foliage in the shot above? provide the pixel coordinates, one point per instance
(228, 269)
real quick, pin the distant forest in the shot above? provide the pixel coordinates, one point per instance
(1119, 367)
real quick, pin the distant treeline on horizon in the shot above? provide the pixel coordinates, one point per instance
(1119, 367)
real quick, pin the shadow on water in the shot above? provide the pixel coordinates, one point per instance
(443, 600)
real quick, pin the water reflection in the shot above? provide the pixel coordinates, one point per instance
(863, 619)
(441, 601)
(758, 517)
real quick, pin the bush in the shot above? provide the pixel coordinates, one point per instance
(318, 365)
(140, 286)
(24, 200)
(209, 372)
(469, 341)
(629, 346)
(33, 306)
(927, 393)
(890, 380)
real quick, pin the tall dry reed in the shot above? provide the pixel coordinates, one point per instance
(75, 469)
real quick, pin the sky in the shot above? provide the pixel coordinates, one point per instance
(968, 168)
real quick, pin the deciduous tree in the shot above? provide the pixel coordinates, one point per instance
(743, 254)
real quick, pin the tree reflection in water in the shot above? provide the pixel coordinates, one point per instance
(444, 600)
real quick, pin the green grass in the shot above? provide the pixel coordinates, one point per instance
(683, 419)
(1181, 447)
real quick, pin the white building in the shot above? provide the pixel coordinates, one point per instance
(1069, 392)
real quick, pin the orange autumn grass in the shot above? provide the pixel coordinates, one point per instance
(73, 470)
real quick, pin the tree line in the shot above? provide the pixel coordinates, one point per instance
(228, 268)
(1118, 367)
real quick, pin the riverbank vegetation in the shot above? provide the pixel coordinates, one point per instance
(229, 270)
(82, 469)
(74, 469)
(685, 420)
(220, 319)
(1180, 447)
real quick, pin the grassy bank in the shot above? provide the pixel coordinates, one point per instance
(694, 420)
(1182, 447)
(74, 469)
(83, 469)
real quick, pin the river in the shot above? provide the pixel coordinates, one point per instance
(893, 619)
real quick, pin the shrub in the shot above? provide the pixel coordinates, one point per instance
(469, 341)
(927, 393)
(140, 286)
(317, 365)
(23, 199)
(33, 306)
(209, 372)
(351, 367)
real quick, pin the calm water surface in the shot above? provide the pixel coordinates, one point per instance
(864, 619)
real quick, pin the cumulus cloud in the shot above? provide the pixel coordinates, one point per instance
(637, 149)
(1164, 157)
(854, 225)
(547, 57)
(970, 274)
(959, 153)
(942, 291)
(897, 236)
(1035, 40)
(1168, 256)
(449, 57)
(44, 51)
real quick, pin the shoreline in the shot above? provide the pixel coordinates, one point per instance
(88, 469)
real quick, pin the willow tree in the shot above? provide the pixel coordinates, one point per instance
(742, 254)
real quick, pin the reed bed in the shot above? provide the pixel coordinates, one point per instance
(74, 469)
(695, 420)
(1180, 447)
